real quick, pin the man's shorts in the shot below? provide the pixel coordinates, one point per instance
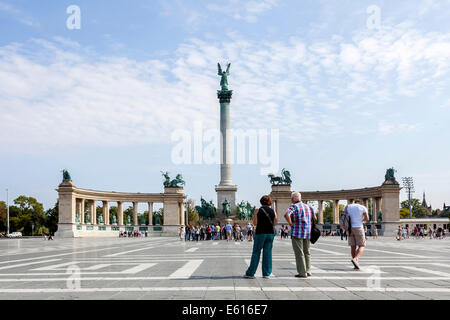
(357, 237)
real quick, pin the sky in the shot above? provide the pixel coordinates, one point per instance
(352, 87)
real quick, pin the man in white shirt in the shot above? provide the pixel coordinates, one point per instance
(357, 238)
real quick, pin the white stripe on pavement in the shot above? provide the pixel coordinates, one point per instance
(27, 264)
(229, 288)
(187, 270)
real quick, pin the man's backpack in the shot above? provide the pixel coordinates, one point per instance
(345, 221)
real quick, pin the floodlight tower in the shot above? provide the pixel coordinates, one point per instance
(408, 184)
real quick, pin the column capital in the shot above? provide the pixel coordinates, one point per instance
(224, 95)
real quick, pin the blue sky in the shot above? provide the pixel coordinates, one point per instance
(350, 101)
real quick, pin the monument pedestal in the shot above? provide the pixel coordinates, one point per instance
(281, 197)
(229, 193)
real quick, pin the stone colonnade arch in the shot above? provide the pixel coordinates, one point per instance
(75, 220)
(385, 197)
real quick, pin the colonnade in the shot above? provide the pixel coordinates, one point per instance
(78, 211)
(374, 209)
(385, 199)
(92, 211)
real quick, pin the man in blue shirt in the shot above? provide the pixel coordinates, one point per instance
(228, 231)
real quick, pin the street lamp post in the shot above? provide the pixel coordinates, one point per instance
(408, 184)
(7, 212)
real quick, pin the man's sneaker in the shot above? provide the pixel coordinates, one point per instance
(266, 277)
(248, 277)
(300, 276)
(355, 263)
(309, 274)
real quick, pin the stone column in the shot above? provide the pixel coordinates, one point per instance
(336, 211)
(82, 211)
(77, 208)
(366, 203)
(120, 212)
(150, 213)
(226, 189)
(320, 211)
(377, 209)
(182, 214)
(135, 213)
(93, 212)
(106, 212)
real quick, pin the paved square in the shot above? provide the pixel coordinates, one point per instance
(167, 268)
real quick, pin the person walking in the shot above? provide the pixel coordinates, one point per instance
(249, 232)
(228, 229)
(357, 239)
(182, 234)
(375, 232)
(264, 218)
(197, 233)
(187, 236)
(399, 233)
(238, 232)
(299, 216)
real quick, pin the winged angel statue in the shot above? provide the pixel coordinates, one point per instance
(224, 80)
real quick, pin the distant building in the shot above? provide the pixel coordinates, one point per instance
(445, 209)
(426, 206)
(444, 212)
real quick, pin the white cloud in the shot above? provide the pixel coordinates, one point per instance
(244, 10)
(56, 93)
(18, 15)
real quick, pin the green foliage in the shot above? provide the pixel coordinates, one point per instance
(25, 213)
(404, 213)
(418, 211)
(328, 211)
(3, 223)
(191, 212)
(51, 218)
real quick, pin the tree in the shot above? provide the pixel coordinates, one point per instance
(27, 212)
(418, 211)
(3, 222)
(51, 218)
(191, 212)
(404, 213)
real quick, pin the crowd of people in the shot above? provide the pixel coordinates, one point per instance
(213, 231)
(420, 233)
(133, 234)
(227, 232)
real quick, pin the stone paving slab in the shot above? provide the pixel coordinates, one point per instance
(166, 268)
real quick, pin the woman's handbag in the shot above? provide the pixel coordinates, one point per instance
(315, 232)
